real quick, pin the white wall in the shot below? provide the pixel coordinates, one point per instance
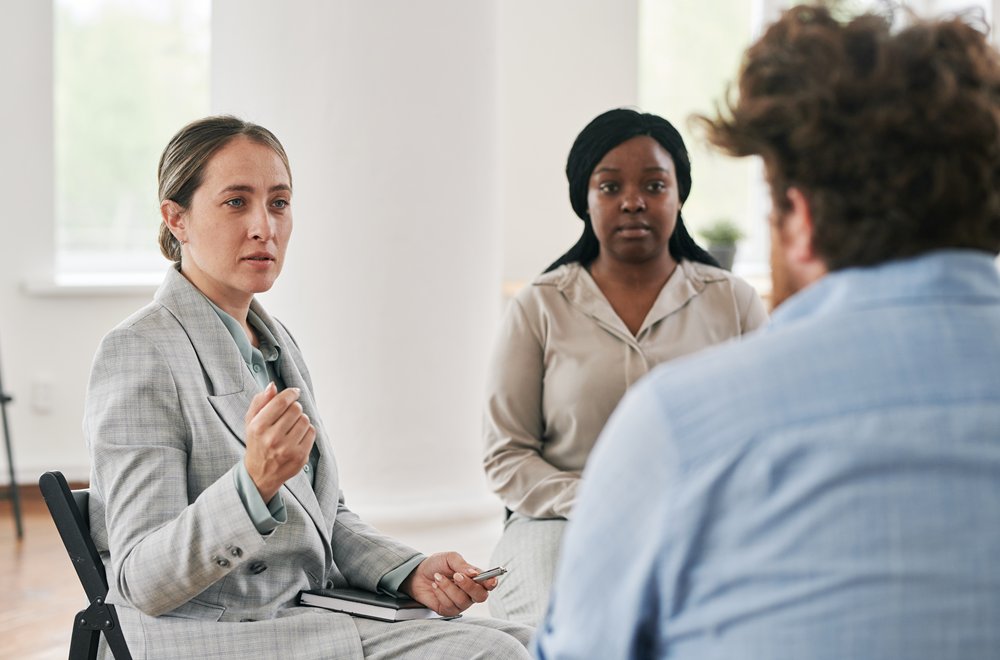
(390, 121)
(563, 62)
(416, 132)
(42, 340)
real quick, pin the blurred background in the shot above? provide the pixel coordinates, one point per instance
(427, 142)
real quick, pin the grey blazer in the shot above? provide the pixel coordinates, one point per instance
(188, 571)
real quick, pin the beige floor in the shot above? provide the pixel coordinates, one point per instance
(40, 594)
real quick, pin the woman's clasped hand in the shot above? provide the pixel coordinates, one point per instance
(279, 439)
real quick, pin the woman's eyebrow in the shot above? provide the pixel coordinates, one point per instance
(250, 189)
(646, 169)
(237, 188)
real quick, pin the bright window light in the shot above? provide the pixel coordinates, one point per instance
(128, 75)
(689, 51)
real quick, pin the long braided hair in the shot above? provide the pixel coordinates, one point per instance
(599, 137)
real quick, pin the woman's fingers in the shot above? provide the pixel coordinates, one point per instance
(289, 418)
(446, 605)
(279, 438)
(260, 400)
(273, 409)
(474, 590)
(453, 592)
(462, 573)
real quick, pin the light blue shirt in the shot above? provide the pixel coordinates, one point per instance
(265, 366)
(827, 489)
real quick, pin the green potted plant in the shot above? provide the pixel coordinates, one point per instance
(722, 236)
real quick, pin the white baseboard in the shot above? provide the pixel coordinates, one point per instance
(29, 475)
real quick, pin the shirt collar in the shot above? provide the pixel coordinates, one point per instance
(269, 347)
(580, 289)
(939, 275)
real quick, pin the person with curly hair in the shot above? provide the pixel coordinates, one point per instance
(830, 486)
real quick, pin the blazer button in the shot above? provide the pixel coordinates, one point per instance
(329, 584)
(258, 567)
(221, 561)
(236, 552)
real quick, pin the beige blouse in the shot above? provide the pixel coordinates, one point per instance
(563, 359)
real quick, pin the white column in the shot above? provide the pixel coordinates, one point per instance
(563, 62)
(388, 111)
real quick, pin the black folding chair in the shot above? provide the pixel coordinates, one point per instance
(69, 510)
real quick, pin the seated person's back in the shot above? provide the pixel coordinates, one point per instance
(830, 488)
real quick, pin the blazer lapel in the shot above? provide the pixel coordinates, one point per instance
(232, 387)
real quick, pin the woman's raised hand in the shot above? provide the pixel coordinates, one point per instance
(279, 438)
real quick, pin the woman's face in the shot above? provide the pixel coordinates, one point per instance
(236, 229)
(633, 201)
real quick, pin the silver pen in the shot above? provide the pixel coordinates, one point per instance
(486, 575)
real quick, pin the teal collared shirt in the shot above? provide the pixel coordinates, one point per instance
(265, 366)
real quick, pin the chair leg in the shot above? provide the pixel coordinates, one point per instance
(14, 495)
(87, 628)
(115, 638)
(83, 644)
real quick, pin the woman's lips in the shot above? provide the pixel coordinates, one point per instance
(633, 232)
(259, 260)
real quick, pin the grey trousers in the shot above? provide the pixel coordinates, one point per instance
(466, 638)
(529, 549)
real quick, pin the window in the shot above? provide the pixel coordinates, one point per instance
(128, 74)
(689, 51)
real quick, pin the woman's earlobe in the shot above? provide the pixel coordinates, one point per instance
(173, 218)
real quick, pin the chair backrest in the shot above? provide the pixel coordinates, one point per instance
(82, 499)
(70, 512)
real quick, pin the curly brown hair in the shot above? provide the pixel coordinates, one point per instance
(893, 137)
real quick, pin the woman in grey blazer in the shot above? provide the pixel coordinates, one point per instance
(214, 491)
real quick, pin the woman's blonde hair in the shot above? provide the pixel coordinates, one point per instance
(182, 165)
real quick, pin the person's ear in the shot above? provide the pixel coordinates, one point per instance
(173, 217)
(795, 233)
(797, 229)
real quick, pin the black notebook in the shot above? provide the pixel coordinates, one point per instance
(359, 602)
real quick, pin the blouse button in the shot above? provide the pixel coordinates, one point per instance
(256, 368)
(305, 469)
